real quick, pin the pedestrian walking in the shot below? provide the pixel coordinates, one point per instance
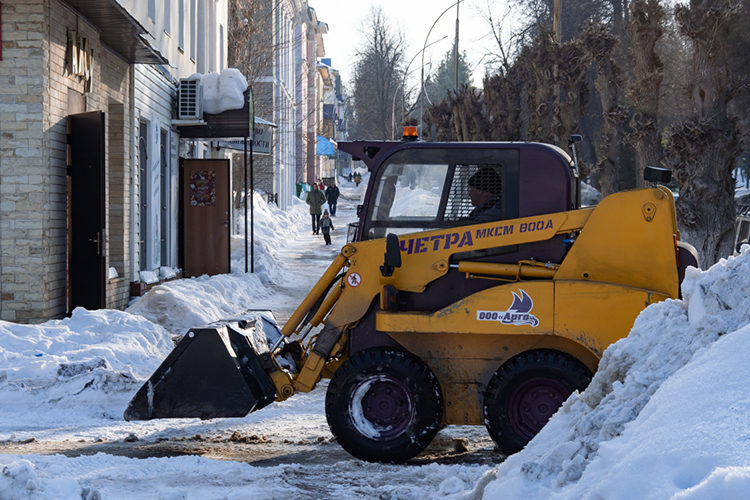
(315, 198)
(357, 178)
(332, 195)
(326, 225)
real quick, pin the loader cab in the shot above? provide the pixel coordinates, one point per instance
(419, 186)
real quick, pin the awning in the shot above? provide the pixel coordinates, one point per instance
(325, 146)
(119, 30)
(230, 124)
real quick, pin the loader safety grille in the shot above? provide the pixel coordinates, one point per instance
(484, 178)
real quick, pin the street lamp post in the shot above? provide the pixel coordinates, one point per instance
(421, 88)
(251, 133)
(402, 85)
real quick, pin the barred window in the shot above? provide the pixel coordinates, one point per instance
(484, 177)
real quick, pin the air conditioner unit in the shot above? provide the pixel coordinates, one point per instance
(190, 99)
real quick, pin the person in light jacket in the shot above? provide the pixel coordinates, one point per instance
(326, 225)
(315, 198)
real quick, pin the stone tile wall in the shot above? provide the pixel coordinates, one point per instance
(34, 104)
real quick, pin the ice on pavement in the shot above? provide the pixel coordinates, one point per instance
(666, 416)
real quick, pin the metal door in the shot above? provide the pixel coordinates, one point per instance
(206, 216)
(87, 222)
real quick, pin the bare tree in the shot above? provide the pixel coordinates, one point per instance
(706, 146)
(378, 74)
(573, 61)
(645, 30)
(536, 64)
(608, 82)
(503, 93)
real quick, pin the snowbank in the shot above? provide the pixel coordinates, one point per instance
(182, 304)
(93, 358)
(667, 410)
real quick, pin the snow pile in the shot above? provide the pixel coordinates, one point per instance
(273, 228)
(19, 481)
(222, 92)
(590, 196)
(183, 304)
(93, 357)
(651, 386)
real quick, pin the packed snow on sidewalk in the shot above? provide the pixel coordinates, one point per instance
(666, 416)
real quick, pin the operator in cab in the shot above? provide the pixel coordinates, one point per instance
(485, 192)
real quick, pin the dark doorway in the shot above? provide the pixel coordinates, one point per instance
(87, 223)
(206, 216)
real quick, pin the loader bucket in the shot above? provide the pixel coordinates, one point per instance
(215, 371)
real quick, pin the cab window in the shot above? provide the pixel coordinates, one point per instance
(444, 188)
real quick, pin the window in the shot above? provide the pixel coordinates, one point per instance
(181, 24)
(221, 47)
(143, 193)
(168, 17)
(164, 198)
(421, 190)
(192, 29)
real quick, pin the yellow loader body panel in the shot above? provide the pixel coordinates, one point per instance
(623, 259)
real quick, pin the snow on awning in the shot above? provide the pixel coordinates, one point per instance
(325, 146)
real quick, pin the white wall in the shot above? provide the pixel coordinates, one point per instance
(192, 35)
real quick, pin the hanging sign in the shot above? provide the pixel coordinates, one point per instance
(262, 139)
(79, 57)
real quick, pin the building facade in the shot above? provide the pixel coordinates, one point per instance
(88, 172)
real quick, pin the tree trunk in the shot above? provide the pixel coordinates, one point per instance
(707, 145)
(573, 63)
(536, 63)
(645, 30)
(608, 82)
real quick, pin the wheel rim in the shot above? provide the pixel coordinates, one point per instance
(533, 403)
(381, 407)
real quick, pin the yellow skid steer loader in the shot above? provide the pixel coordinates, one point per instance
(474, 290)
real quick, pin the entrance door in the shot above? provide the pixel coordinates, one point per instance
(86, 232)
(206, 216)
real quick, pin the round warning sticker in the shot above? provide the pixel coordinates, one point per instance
(354, 279)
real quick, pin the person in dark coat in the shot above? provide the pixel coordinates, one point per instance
(332, 194)
(326, 225)
(315, 198)
(485, 192)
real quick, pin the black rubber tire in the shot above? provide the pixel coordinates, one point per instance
(526, 391)
(407, 393)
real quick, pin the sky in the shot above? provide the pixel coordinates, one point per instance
(666, 416)
(414, 18)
